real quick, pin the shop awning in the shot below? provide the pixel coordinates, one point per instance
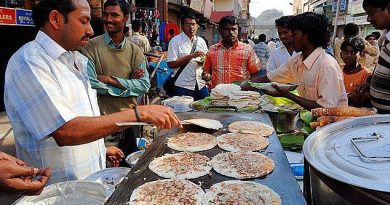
(217, 15)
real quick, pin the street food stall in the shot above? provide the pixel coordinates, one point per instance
(280, 180)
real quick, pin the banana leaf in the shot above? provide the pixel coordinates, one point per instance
(292, 141)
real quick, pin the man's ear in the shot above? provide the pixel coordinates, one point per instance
(55, 19)
(126, 18)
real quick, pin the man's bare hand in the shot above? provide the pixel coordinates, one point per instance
(246, 86)
(104, 79)
(161, 116)
(16, 176)
(110, 81)
(197, 54)
(280, 92)
(206, 76)
(137, 73)
(114, 155)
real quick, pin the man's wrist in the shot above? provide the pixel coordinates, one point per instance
(137, 115)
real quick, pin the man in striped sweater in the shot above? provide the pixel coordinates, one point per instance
(378, 12)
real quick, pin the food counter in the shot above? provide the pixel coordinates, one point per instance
(281, 179)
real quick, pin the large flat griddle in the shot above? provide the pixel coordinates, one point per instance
(281, 180)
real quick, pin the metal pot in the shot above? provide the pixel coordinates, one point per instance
(283, 121)
(344, 173)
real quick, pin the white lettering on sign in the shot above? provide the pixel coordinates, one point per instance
(5, 17)
(24, 18)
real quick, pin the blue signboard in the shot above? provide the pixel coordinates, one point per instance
(24, 17)
(343, 5)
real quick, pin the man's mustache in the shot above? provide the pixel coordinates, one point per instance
(85, 38)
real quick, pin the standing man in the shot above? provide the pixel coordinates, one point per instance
(281, 55)
(229, 60)
(378, 12)
(261, 50)
(182, 49)
(319, 77)
(351, 30)
(50, 103)
(138, 39)
(371, 62)
(117, 70)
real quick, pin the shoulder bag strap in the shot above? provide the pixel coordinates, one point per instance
(183, 66)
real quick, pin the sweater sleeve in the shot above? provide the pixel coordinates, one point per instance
(136, 87)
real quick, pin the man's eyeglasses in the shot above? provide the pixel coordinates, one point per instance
(349, 52)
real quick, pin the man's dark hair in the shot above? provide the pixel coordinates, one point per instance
(262, 37)
(282, 21)
(136, 24)
(125, 7)
(351, 30)
(227, 20)
(376, 34)
(312, 24)
(188, 16)
(369, 36)
(40, 13)
(357, 44)
(375, 4)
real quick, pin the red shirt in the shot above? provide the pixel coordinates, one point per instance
(235, 64)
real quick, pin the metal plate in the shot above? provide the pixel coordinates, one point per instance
(330, 151)
(70, 192)
(109, 177)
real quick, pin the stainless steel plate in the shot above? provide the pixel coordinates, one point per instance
(109, 177)
(70, 192)
(330, 151)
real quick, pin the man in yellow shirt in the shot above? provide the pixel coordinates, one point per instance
(318, 75)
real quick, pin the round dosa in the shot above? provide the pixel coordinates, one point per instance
(242, 165)
(241, 193)
(206, 123)
(168, 191)
(251, 127)
(234, 142)
(192, 142)
(183, 165)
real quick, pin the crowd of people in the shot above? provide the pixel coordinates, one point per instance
(64, 92)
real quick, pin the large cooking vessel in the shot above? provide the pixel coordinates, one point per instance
(349, 161)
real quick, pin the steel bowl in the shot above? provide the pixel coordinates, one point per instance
(132, 158)
(283, 122)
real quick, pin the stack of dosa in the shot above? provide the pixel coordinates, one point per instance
(326, 116)
(220, 94)
(231, 94)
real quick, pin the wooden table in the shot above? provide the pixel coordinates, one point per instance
(281, 180)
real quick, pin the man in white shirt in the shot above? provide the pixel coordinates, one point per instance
(50, 103)
(138, 39)
(280, 55)
(271, 45)
(189, 82)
